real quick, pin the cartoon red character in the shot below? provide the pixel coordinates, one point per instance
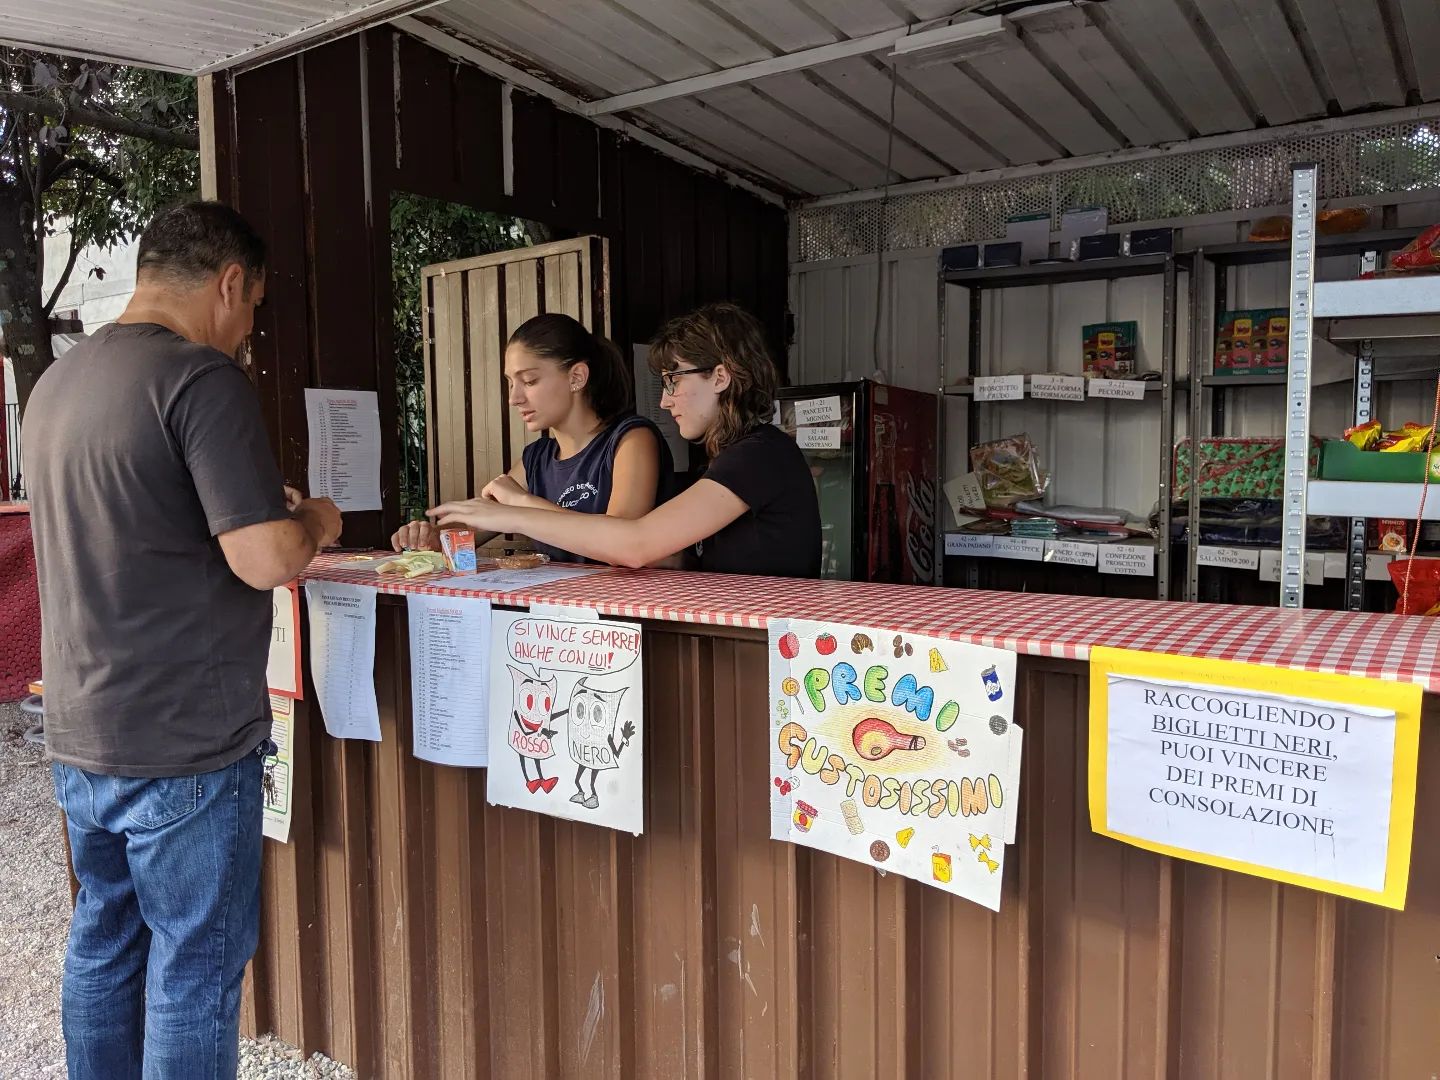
(531, 736)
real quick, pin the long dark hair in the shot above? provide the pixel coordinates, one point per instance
(558, 338)
(723, 334)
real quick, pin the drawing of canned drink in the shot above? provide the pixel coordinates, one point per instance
(852, 817)
(992, 683)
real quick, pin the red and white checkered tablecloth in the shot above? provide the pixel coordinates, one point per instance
(1395, 647)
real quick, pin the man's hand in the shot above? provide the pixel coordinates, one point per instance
(416, 536)
(321, 518)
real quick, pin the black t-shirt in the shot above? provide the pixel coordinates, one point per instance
(140, 449)
(779, 536)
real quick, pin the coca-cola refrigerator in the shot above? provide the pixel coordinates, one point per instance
(872, 450)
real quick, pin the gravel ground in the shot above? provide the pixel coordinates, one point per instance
(34, 918)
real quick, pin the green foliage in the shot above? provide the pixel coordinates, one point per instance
(423, 232)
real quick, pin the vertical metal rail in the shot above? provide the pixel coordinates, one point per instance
(1199, 368)
(1167, 426)
(1297, 385)
(1364, 412)
(942, 408)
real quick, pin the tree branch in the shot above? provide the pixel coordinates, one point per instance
(89, 168)
(102, 121)
(69, 264)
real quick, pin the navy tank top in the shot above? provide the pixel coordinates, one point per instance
(583, 482)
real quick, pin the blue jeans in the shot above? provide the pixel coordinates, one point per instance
(167, 917)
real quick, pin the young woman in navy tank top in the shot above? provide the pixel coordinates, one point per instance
(755, 509)
(596, 457)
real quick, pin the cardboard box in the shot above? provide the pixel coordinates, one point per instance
(1110, 350)
(1253, 342)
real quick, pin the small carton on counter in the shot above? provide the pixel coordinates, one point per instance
(459, 548)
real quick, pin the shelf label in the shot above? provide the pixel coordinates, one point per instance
(1132, 560)
(964, 493)
(975, 545)
(1000, 388)
(1117, 389)
(1058, 388)
(1235, 558)
(1019, 547)
(1314, 567)
(825, 410)
(1071, 552)
(818, 438)
(1377, 567)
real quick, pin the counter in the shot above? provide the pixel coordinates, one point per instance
(413, 930)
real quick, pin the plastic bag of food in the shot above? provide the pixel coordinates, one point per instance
(1345, 219)
(1008, 470)
(1275, 227)
(1423, 595)
(1364, 436)
(1421, 252)
(413, 564)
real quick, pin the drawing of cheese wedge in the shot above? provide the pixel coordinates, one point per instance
(904, 836)
(937, 662)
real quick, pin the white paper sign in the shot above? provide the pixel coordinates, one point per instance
(282, 671)
(342, 657)
(818, 438)
(647, 404)
(1236, 558)
(1132, 560)
(971, 544)
(450, 678)
(1000, 388)
(1071, 552)
(1377, 567)
(1301, 786)
(568, 701)
(1117, 389)
(1314, 567)
(1058, 387)
(344, 428)
(278, 777)
(905, 763)
(1025, 548)
(964, 494)
(825, 410)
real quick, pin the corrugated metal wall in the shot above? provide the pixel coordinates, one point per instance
(414, 931)
(1100, 453)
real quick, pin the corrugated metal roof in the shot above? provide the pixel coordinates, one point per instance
(1070, 79)
(1064, 79)
(184, 35)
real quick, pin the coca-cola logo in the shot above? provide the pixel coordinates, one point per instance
(920, 505)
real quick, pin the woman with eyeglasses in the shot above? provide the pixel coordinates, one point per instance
(596, 456)
(753, 512)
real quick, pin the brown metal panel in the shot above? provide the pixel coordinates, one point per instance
(451, 440)
(675, 967)
(460, 954)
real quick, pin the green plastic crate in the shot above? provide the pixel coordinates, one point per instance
(1341, 460)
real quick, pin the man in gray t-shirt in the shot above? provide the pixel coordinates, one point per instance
(161, 526)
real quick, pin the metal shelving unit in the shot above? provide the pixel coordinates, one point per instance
(1383, 350)
(976, 282)
(1391, 311)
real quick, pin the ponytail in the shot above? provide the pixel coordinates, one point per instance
(564, 341)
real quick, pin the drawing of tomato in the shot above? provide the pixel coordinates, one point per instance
(825, 644)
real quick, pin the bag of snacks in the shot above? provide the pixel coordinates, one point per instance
(1008, 470)
(1423, 596)
(1276, 227)
(1421, 252)
(1347, 219)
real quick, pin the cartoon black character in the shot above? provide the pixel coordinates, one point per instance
(530, 732)
(593, 733)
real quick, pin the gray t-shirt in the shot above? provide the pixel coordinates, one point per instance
(140, 448)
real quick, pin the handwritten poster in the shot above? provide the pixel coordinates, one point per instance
(1300, 777)
(567, 712)
(450, 678)
(342, 657)
(278, 774)
(282, 673)
(896, 751)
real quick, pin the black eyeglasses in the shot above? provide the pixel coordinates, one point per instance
(667, 378)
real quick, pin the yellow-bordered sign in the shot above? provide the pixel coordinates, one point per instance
(1404, 699)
